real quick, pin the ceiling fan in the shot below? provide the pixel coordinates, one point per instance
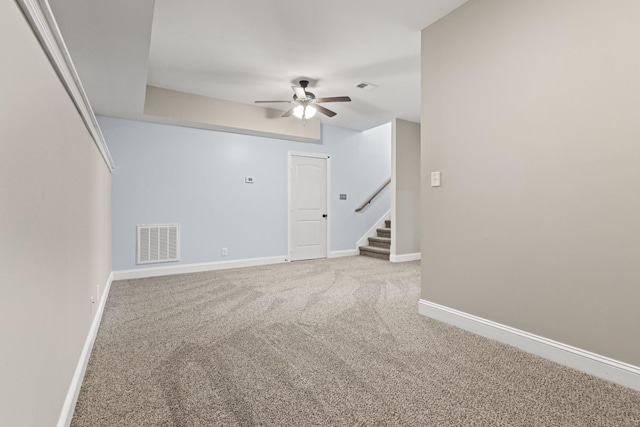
(308, 103)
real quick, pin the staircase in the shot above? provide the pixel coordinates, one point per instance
(379, 246)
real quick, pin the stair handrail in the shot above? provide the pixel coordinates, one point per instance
(373, 196)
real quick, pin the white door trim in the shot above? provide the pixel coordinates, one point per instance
(290, 155)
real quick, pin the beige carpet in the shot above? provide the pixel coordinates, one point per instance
(329, 342)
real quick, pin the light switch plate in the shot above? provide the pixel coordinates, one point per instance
(248, 179)
(435, 179)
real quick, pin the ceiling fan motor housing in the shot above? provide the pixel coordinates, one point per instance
(310, 96)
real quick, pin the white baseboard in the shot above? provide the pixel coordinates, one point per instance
(340, 254)
(582, 360)
(167, 270)
(70, 400)
(405, 257)
(372, 232)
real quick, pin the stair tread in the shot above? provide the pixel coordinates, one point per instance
(375, 249)
(384, 229)
(380, 239)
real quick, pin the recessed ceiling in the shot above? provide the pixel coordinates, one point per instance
(243, 51)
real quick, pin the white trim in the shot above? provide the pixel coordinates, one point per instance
(582, 360)
(372, 232)
(329, 215)
(44, 25)
(289, 170)
(327, 157)
(141, 273)
(405, 257)
(394, 192)
(304, 154)
(340, 254)
(69, 405)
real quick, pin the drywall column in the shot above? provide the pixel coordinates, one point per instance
(55, 230)
(405, 191)
(530, 112)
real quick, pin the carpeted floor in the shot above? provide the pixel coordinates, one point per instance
(328, 342)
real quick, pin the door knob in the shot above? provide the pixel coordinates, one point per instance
(324, 215)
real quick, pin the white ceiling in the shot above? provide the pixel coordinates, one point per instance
(243, 51)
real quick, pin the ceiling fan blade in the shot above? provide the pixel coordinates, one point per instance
(325, 111)
(288, 113)
(300, 93)
(334, 99)
(269, 102)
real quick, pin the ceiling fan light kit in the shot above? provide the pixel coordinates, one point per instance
(304, 111)
(308, 103)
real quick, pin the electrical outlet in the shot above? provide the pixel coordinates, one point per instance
(225, 252)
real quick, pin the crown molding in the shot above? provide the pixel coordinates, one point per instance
(43, 24)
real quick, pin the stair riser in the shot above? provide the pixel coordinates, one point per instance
(374, 255)
(384, 233)
(387, 223)
(385, 245)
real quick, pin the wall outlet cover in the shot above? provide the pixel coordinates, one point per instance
(435, 179)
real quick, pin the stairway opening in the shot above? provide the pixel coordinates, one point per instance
(380, 245)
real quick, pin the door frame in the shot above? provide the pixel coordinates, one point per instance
(290, 155)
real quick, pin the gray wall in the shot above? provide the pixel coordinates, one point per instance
(530, 111)
(195, 177)
(186, 109)
(405, 194)
(55, 217)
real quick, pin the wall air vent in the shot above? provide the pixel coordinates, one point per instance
(158, 243)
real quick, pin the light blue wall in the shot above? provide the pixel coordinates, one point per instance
(195, 177)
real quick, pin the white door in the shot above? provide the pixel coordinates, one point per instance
(308, 207)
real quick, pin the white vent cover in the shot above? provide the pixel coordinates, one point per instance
(367, 86)
(158, 243)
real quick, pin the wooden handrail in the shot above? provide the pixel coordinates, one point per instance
(373, 196)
